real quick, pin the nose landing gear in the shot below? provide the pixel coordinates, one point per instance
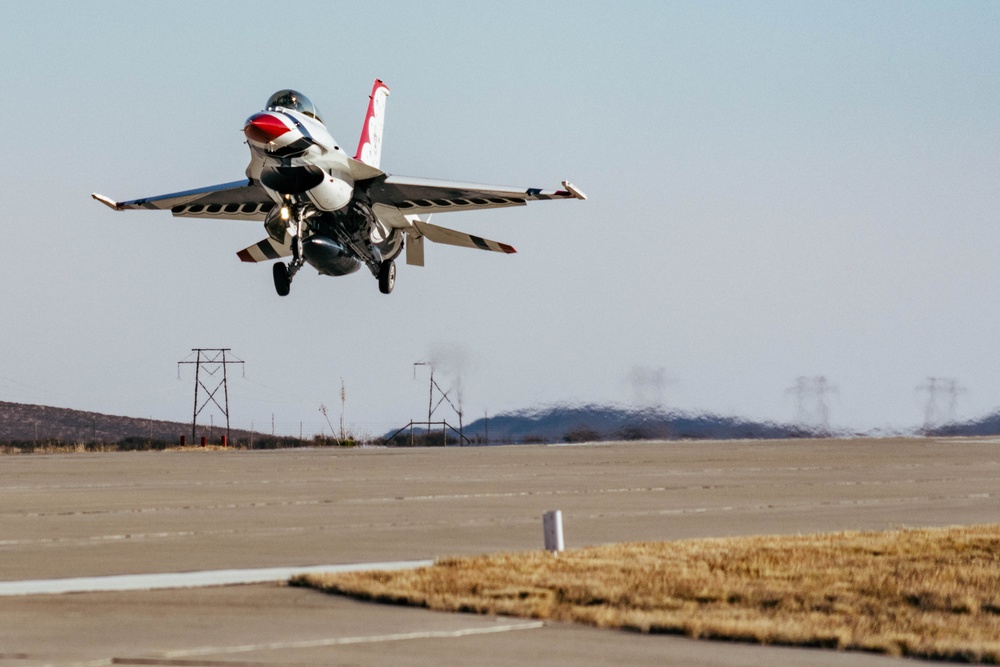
(283, 275)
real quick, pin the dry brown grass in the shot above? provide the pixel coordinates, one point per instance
(929, 593)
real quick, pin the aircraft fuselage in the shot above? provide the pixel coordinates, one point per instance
(304, 170)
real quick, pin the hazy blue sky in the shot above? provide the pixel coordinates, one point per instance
(777, 189)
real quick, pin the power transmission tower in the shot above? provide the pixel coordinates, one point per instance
(811, 406)
(647, 385)
(933, 414)
(209, 361)
(800, 390)
(431, 406)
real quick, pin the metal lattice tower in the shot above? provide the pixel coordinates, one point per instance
(210, 361)
(933, 414)
(647, 385)
(431, 406)
(810, 394)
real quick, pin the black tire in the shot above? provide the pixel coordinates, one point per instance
(282, 284)
(387, 276)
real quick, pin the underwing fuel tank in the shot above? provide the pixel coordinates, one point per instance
(329, 257)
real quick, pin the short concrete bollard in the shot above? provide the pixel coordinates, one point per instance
(552, 527)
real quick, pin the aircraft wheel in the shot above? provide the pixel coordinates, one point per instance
(387, 276)
(282, 283)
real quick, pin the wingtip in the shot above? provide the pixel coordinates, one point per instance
(573, 190)
(107, 201)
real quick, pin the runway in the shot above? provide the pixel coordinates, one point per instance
(178, 514)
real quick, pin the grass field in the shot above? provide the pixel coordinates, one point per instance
(926, 593)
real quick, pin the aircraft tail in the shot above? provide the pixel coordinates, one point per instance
(370, 146)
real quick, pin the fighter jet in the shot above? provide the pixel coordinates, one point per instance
(335, 212)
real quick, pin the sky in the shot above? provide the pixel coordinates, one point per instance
(776, 190)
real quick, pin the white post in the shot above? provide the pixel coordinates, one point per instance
(552, 527)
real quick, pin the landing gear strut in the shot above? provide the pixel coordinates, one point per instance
(386, 276)
(283, 275)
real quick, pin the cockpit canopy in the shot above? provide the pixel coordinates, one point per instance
(293, 99)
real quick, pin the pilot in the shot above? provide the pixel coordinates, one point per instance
(292, 99)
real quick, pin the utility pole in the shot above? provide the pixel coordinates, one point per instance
(209, 361)
(322, 408)
(343, 405)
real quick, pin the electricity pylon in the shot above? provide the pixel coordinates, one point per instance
(934, 387)
(209, 360)
(812, 391)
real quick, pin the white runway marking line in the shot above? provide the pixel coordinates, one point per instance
(341, 641)
(150, 582)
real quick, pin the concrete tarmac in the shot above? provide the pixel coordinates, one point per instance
(93, 515)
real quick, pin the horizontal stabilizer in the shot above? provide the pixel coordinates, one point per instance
(452, 237)
(265, 250)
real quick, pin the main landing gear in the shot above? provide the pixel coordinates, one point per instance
(283, 276)
(282, 281)
(386, 276)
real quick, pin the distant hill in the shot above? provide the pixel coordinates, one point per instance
(37, 423)
(31, 423)
(600, 422)
(988, 425)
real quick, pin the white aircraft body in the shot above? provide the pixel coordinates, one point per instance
(322, 207)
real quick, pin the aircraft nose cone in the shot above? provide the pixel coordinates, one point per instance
(264, 128)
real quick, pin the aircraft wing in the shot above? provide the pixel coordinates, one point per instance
(239, 200)
(409, 195)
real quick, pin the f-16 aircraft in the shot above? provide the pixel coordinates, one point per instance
(322, 207)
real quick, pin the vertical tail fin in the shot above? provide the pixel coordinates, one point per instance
(370, 146)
